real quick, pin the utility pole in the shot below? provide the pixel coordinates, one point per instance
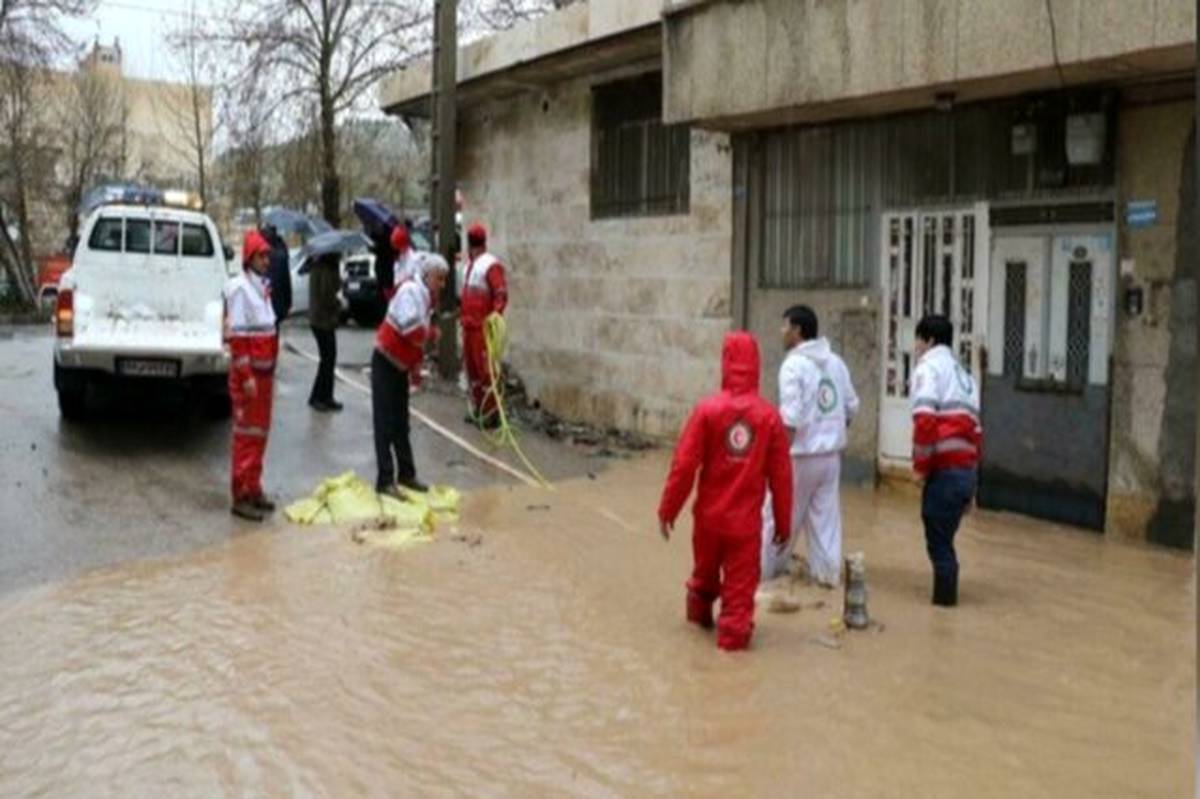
(1195, 251)
(444, 116)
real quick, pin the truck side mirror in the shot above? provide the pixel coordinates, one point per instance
(228, 252)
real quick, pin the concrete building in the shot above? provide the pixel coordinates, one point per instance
(132, 129)
(657, 174)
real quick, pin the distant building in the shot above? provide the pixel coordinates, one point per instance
(146, 137)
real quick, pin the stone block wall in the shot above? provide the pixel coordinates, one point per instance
(616, 321)
(1153, 433)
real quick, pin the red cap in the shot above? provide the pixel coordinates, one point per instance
(400, 238)
(477, 235)
(252, 245)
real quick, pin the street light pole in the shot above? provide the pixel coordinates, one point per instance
(444, 116)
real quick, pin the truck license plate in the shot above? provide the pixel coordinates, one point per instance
(145, 367)
(355, 285)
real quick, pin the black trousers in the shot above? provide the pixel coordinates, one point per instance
(945, 498)
(322, 390)
(389, 412)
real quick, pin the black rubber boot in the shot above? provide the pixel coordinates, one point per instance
(413, 484)
(945, 590)
(246, 509)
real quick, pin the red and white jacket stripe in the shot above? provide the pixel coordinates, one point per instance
(485, 291)
(947, 433)
(401, 337)
(250, 327)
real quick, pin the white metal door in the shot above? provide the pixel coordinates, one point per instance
(933, 262)
(1051, 304)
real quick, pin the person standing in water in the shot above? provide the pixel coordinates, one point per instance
(947, 441)
(736, 441)
(817, 402)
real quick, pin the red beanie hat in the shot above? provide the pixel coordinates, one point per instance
(399, 238)
(252, 245)
(477, 235)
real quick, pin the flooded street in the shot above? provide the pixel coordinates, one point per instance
(539, 650)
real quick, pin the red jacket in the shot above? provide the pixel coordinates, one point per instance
(736, 440)
(945, 407)
(402, 334)
(485, 291)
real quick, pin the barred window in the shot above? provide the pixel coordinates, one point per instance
(1014, 319)
(817, 191)
(640, 167)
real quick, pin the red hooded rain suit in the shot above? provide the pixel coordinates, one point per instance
(737, 442)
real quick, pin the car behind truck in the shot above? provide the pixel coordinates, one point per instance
(142, 301)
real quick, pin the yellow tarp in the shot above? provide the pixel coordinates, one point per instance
(383, 520)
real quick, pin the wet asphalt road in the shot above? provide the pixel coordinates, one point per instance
(146, 476)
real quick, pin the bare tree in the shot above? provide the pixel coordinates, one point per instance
(20, 175)
(93, 123)
(189, 119)
(497, 15)
(245, 114)
(298, 185)
(327, 53)
(31, 38)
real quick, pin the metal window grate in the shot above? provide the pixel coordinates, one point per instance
(1079, 323)
(1014, 318)
(640, 167)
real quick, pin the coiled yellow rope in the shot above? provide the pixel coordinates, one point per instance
(495, 337)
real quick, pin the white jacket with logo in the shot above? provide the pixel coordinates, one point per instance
(816, 398)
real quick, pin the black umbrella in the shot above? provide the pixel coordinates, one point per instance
(334, 242)
(377, 219)
(288, 222)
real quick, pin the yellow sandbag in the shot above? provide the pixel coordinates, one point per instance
(406, 515)
(389, 522)
(442, 501)
(353, 502)
(304, 511)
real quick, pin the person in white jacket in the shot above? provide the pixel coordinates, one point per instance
(817, 402)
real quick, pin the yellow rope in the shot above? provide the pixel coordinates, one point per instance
(495, 337)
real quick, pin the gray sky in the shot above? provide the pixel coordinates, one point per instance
(143, 27)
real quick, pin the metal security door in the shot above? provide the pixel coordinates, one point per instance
(932, 262)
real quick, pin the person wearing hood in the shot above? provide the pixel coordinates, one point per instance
(405, 268)
(736, 441)
(253, 348)
(395, 367)
(279, 275)
(817, 402)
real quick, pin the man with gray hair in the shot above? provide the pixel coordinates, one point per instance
(395, 365)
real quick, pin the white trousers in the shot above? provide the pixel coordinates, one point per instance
(816, 513)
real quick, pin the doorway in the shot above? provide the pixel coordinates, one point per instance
(933, 261)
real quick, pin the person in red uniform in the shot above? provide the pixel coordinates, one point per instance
(253, 348)
(405, 268)
(396, 368)
(947, 442)
(736, 440)
(484, 292)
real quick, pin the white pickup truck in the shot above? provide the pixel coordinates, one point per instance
(142, 301)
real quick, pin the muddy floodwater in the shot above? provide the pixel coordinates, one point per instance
(539, 650)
